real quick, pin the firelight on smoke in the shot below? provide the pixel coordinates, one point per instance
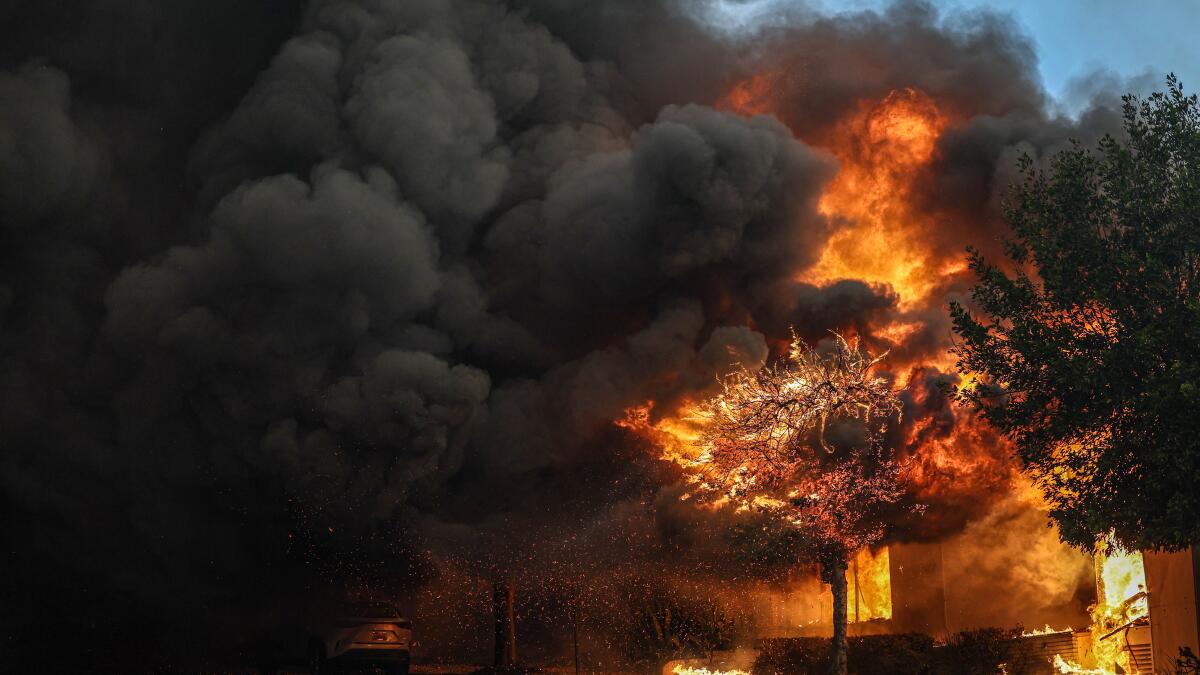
(754, 95)
(880, 237)
(881, 148)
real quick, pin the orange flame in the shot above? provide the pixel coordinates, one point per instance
(881, 148)
(1120, 599)
(688, 670)
(1047, 630)
(869, 579)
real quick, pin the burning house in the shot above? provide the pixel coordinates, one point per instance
(1097, 612)
(408, 297)
(1142, 613)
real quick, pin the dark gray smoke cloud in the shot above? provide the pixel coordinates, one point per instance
(300, 298)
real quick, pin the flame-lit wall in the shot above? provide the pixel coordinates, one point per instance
(918, 589)
(1171, 581)
(936, 589)
(896, 588)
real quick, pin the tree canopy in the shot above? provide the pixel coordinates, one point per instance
(1084, 344)
(801, 442)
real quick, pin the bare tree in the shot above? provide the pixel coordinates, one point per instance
(801, 440)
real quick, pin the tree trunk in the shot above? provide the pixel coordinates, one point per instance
(506, 629)
(835, 573)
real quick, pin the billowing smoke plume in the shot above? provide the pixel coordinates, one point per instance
(300, 298)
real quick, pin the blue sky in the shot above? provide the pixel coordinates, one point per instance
(1074, 37)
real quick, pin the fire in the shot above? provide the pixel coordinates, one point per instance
(1047, 630)
(1121, 600)
(1070, 668)
(946, 466)
(677, 437)
(882, 237)
(869, 578)
(689, 670)
(1121, 582)
(897, 332)
(881, 147)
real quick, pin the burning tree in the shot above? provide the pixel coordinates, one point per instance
(801, 441)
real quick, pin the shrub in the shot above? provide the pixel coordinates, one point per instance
(905, 654)
(669, 625)
(981, 651)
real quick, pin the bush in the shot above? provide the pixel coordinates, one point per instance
(668, 625)
(974, 652)
(1187, 663)
(801, 656)
(905, 654)
(980, 652)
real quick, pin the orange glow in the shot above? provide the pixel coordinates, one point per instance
(1070, 668)
(897, 332)
(688, 670)
(1121, 599)
(1047, 631)
(870, 586)
(947, 465)
(677, 437)
(1121, 578)
(687, 440)
(881, 148)
(753, 96)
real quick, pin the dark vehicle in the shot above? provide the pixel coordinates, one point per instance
(364, 634)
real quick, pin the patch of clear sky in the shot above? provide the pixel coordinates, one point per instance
(1130, 44)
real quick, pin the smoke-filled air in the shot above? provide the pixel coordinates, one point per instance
(436, 300)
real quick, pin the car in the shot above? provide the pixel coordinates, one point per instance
(363, 634)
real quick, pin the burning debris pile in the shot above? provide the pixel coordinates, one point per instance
(420, 295)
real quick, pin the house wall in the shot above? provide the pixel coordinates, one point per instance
(918, 589)
(1171, 580)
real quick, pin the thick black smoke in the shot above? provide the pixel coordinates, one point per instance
(301, 298)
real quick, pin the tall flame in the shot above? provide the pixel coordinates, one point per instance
(1120, 599)
(1121, 582)
(881, 148)
(869, 580)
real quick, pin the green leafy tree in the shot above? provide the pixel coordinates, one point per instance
(1086, 341)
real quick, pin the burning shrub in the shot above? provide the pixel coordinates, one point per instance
(903, 654)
